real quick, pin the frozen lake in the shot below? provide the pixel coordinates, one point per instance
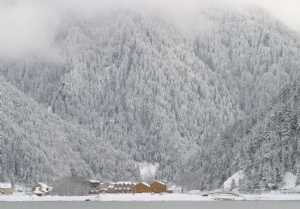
(151, 205)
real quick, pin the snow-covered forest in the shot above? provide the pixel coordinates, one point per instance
(129, 87)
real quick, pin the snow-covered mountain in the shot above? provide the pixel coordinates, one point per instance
(36, 144)
(129, 87)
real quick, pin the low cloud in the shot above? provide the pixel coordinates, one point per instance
(287, 11)
(26, 27)
(29, 26)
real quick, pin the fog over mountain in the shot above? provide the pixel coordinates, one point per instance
(30, 26)
(204, 88)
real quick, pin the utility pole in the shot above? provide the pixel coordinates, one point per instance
(68, 187)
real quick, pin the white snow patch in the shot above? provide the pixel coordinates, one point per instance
(109, 197)
(5, 185)
(289, 181)
(194, 192)
(175, 188)
(147, 170)
(147, 185)
(237, 176)
(49, 109)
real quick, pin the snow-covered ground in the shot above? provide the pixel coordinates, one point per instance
(147, 170)
(109, 197)
(236, 177)
(145, 197)
(289, 181)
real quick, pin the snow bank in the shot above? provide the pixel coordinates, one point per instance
(109, 197)
(147, 170)
(289, 181)
(144, 197)
(237, 176)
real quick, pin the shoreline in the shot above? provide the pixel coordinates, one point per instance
(145, 197)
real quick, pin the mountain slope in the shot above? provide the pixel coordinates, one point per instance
(140, 84)
(264, 146)
(37, 145)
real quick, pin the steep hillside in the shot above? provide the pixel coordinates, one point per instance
(142, 85)
(135, 82)
(264, 146)
(38, 145)
(254, 54)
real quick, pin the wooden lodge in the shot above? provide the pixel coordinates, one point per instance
(94, 187)
(158, 187)
(6, 188)
(141, 187)
(110, 189)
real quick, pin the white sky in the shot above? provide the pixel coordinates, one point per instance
(28, 26)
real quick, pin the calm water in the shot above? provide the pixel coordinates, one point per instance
(153, 205)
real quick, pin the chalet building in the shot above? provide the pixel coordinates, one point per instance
(107, 187)
(41, 189)
(103, 187)
(94, 184)
(94, 191)
(94, 187)
(158, 187)
(123, 187)
(141, 188)
(6, 188)
(111, 188)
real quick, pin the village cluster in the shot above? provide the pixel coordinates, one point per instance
(98, 187)
(39, 189)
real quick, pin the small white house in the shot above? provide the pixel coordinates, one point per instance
(41, 189)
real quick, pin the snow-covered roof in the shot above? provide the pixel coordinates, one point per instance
(94, 181)
(41, 190)
(5, 185)
(111, 186)
(44, 187)
(160, 182)
(145, 184)
(37, 189)
(123, 183)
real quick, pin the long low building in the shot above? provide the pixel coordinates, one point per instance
(97, 187)
(123, 187)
